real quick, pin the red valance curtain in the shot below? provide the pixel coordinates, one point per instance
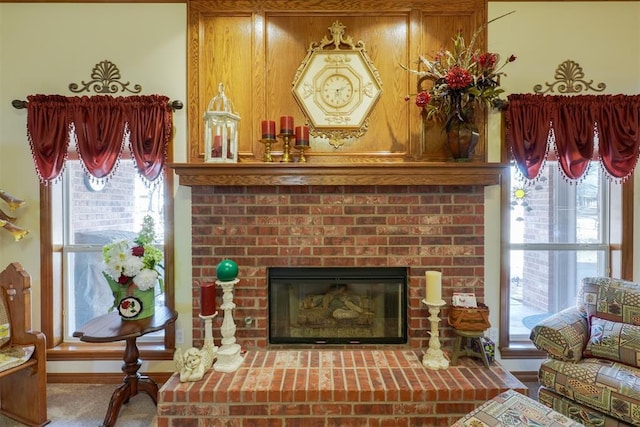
(149, 122)
(100, 126)
(573, 124)
(48, 125)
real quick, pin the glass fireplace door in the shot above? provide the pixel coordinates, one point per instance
(313, 305)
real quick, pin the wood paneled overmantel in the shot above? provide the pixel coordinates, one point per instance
(399, 173)
(255, 47)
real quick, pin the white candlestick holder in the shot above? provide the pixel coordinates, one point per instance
(228, 355)
(209, 349)
(434, 358)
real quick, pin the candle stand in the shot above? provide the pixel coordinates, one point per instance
(434, 357)
(286, 155)
(301, 148)
(209, 350)
(267, 158)
(228, 355)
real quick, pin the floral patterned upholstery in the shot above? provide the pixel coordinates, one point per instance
(592, 372)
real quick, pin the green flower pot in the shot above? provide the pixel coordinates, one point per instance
(131, 302)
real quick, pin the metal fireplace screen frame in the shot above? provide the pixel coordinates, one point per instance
(337, 305)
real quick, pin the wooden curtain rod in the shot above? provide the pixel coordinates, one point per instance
(20, 104)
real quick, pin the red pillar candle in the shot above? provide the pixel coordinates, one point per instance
(207, 299)
(286, 125)
(302, 135)
(268, 129)
(217, 146)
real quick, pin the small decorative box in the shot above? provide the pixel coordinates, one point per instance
(488, 347)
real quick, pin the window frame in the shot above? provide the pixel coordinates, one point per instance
(51, 285)
(525, 350)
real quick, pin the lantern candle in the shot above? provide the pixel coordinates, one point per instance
(268, 129)
(302, 135)
(286, 125)
(217, 146)
(434, 287)
(207, 299)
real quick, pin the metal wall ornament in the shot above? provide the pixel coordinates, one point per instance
(105, 79)
(337, 86)
(569, 79)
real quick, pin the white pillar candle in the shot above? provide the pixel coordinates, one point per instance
(434, 287)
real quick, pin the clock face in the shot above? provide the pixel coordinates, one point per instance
(337, 89)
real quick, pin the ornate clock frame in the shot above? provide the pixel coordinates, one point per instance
(337, 87)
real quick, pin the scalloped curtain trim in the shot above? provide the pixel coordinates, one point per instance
(100, 126)
(579, 129)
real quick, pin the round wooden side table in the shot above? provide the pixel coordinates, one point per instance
(109, 328)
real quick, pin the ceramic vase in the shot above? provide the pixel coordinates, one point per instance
(462, 138)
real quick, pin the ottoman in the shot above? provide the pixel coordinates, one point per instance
(514, 409)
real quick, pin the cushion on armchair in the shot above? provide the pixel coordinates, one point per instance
(611, 299)
(563, 336)
(615, 341)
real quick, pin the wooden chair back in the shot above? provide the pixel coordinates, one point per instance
(23, 388)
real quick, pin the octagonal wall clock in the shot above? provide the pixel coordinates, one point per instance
(337, 87)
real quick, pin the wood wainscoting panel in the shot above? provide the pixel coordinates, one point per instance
(255, 47)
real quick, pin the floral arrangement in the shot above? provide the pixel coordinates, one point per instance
(134, 262)
(463, 78)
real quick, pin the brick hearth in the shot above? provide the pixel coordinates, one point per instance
(332, 388)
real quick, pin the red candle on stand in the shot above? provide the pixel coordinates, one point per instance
(207, 299)
(268, 129)
(286, 125)
(302, 135)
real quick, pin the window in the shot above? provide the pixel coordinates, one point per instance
(84, 217)
(92, 216)
(559, 232)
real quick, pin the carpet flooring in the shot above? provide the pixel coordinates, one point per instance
(85, 405)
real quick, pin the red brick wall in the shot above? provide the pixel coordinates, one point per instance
(421, 227)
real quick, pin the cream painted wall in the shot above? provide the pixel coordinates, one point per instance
(603, 37)
(44, 48)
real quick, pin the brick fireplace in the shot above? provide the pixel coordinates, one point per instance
(398, 215)
(421, 227)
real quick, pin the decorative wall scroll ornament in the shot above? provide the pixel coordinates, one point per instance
(337, 86)
(105, 79)
(569, 79)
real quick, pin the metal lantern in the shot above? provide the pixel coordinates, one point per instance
(221, 129)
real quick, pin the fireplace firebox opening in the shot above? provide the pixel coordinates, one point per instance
(337, 305)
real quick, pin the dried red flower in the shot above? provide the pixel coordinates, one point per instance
(458, 78)
(487, 61)
(422, 99)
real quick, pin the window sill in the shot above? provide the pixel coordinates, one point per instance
(521, 350)
(108, 351)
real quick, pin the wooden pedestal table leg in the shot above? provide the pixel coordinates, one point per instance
(133, 382)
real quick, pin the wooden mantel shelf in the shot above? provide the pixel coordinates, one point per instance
(380, 173)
